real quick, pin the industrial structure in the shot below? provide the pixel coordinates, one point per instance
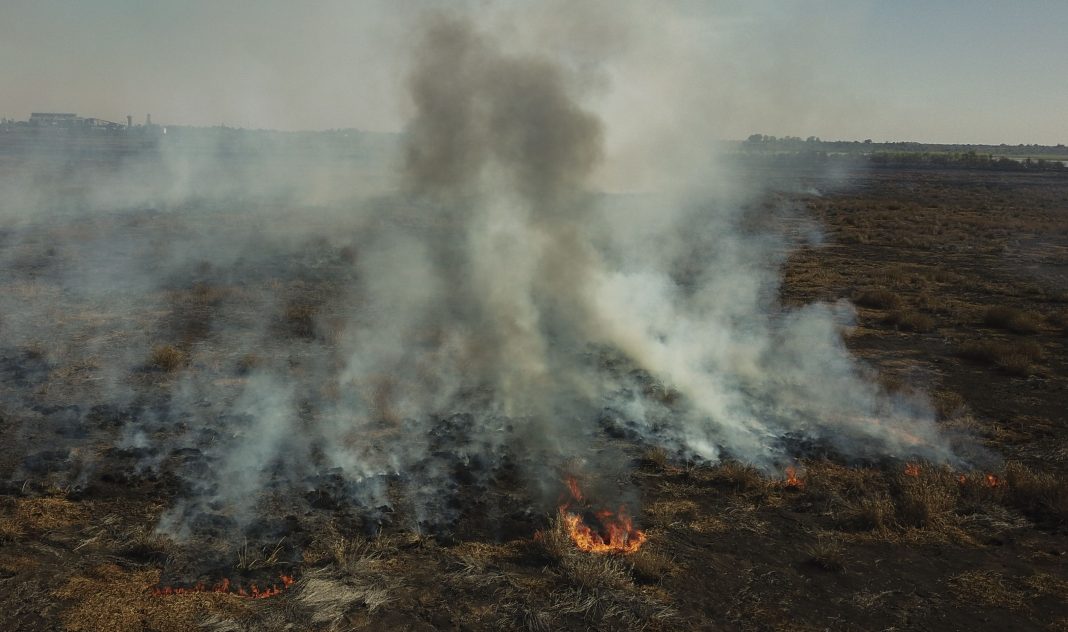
(71, 121)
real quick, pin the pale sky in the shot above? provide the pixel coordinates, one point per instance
(978, 71)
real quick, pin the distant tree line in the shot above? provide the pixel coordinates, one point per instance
(763, 142)
(794, 149)
(965, 160)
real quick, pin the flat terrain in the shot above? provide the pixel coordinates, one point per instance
(960, 282)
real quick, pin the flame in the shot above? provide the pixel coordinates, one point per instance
(225, 587)
(912, 469)
(793, 481)
(615, 532)
(990, 480)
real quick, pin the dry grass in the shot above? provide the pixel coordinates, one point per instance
(877, 298)
(248, 363)
(1012, 319)
(656, 458)
(109, 598)
(249, 559)
(599, 589)
(299, 320)
(648, 565)
(29, 516)
(926, 501)
(328, 594)
(988, 588)
(554, 542)
(909, 320)
(167, 358)
(1016, 358)
(1058, 319)
(826, 554)
(828, 481)
(949, 404)
(737, 476)
(665, 513)
(873, 513)
(977, 491)
(1040, 495)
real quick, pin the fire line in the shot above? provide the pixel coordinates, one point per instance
(226, 587)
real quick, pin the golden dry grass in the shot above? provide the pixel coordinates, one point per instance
(988, 588)
(108, 598)
(26, 516)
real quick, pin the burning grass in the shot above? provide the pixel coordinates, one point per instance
(727, 545)
(598, 530)
(109, 598)
(600, 589)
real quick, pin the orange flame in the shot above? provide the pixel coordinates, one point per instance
(912, 469)
(616, 532)
(224, 587)
(990, 480)
(793, 481)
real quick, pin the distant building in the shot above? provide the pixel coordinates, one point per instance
(69, 120)
(54, 119)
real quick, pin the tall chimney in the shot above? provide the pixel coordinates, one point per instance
(129, 121)
(148, 120)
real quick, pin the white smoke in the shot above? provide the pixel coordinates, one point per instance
(488, 318)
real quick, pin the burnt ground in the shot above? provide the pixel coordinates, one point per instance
(961, 285)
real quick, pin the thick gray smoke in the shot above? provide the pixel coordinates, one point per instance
(485, 321)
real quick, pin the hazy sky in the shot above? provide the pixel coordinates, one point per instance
(935, 70)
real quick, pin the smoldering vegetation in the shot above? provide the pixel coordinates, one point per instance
(432, 335)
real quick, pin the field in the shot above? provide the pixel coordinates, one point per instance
(960, 283)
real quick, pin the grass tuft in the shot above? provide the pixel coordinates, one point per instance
(1015, 358)
(168, 358)
(877, 299)
(1011, 319)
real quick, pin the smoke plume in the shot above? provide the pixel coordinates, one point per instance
(377, 344)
